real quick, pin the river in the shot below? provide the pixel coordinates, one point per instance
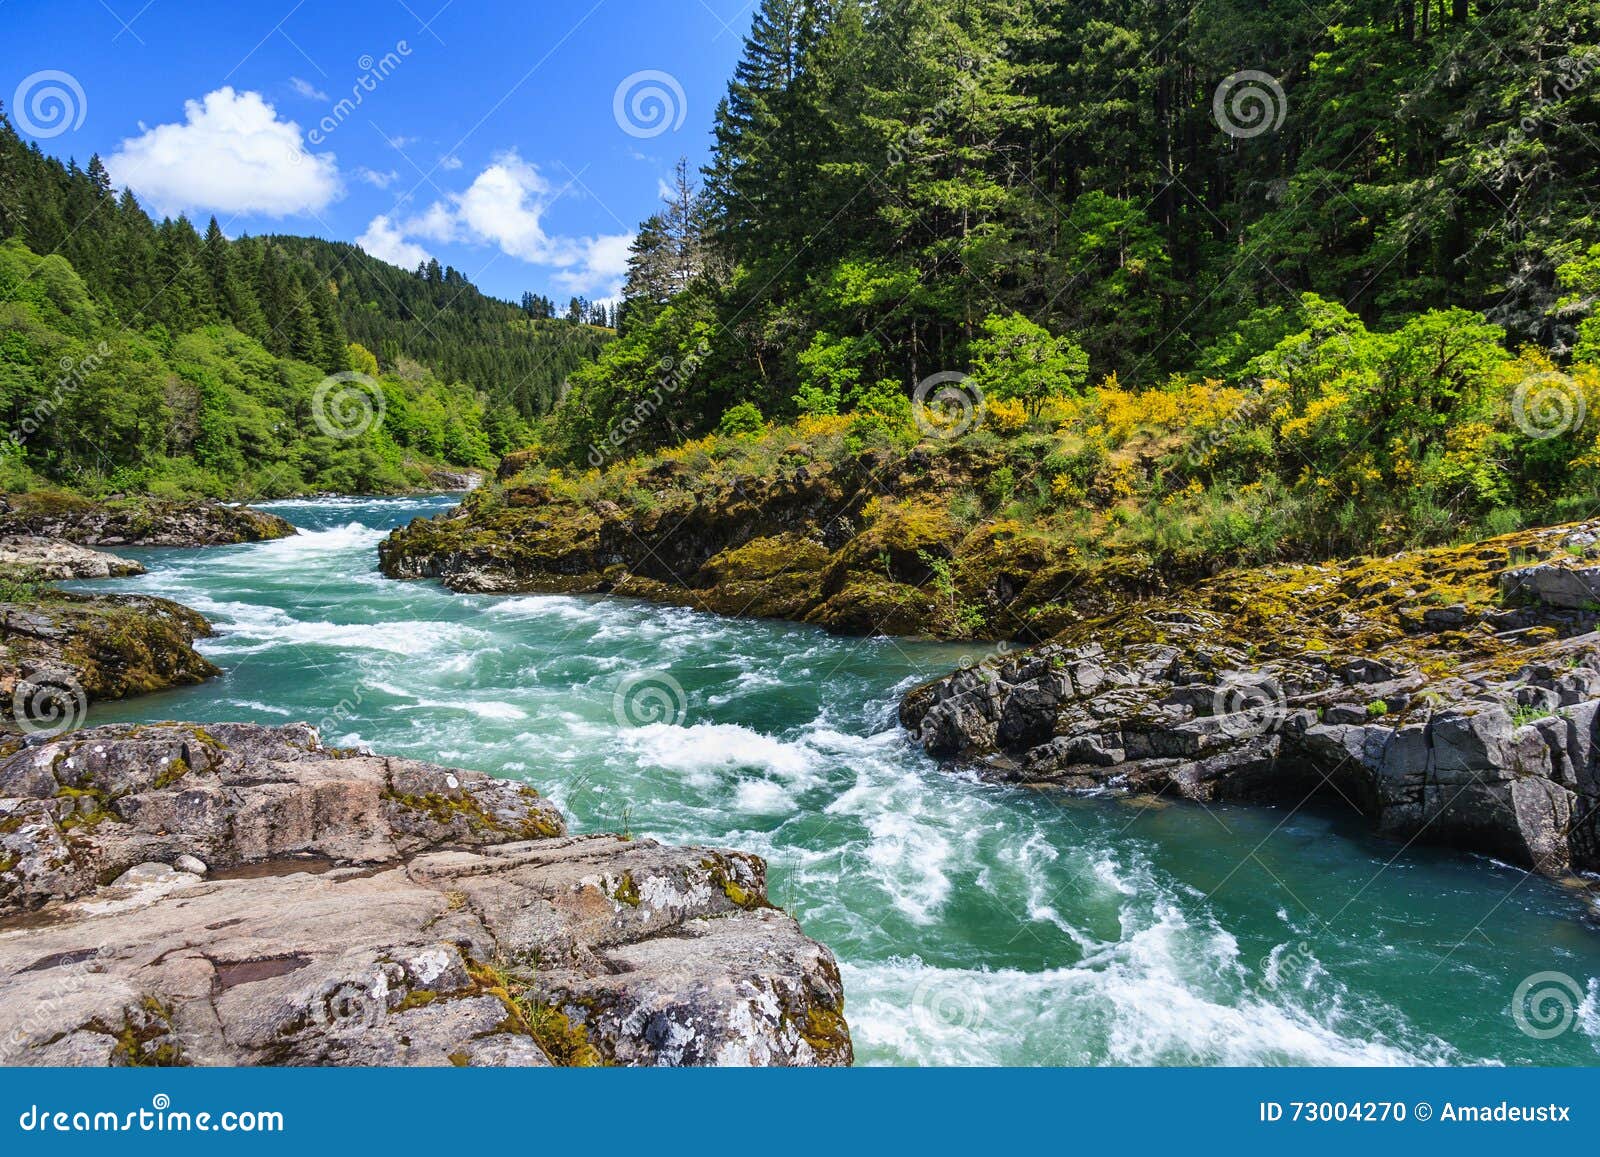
(973, 924)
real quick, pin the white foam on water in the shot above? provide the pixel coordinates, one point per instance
(1138, 1004)
(495, 709)
(254, 705)
(714, 747)
(762, 797)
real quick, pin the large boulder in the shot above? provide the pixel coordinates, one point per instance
(137, 522)
(237, 895)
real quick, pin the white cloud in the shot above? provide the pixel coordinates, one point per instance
(385, 241)
(436, 223)
(400, 142)
(605, 264)
(233, 155)
(449, 162)
(505, 207)
(306, 89)
(375, 178)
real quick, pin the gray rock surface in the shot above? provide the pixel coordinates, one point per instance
(1569, 585)
(361, 910)
(53, 560)
(1490, 761)
(1449, 694)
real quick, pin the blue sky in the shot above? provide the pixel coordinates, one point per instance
(499, 137)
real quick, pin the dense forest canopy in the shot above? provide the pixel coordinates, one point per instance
(1153, 186)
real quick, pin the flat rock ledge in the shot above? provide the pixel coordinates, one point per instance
(243, 895)
(53, 560)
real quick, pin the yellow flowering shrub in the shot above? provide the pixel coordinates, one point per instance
(822, 425)
(1007, 414)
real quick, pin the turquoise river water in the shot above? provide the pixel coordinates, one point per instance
(973, 924)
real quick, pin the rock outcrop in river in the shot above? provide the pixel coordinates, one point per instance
(60, 651)
(1451, 695)
(136, 522)
(237, 894)
(53, 560)
(860, 545)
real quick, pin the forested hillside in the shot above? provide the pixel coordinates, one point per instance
(518, 355)
(139, 356)
(1155, 186)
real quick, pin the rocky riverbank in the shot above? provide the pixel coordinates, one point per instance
(1451, 695)
(237, 894)
(861, 543)
(136, 522)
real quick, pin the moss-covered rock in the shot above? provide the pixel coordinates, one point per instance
(93, 647)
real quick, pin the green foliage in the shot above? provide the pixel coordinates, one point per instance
(887, 177)
(744, 418)
(1018, 360)
(209, 412)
